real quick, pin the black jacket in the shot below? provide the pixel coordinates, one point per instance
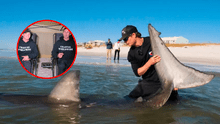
(138, 56)
(29, 48)
(66, 47)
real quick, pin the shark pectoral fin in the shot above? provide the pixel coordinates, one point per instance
(161, 98)
(191, 77)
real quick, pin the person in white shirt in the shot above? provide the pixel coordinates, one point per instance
(117, 46)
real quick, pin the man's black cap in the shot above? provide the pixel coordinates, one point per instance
(27, 30)
(127, 31)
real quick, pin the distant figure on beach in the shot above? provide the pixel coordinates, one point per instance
(27, 50)
(109, 49)
(117, 46)
(64, 51)
(142, 63)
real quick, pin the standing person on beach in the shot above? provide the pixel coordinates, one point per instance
(64, 51)
(27, 49)
(117, 46)
(142, 63)
(109, 49)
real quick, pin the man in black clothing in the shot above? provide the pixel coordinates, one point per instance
(27, 49)
(142, 62)
(64, 50)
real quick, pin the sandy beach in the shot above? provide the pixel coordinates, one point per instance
(208, 54)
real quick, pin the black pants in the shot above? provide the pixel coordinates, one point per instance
(116, 51)
(63, 65)
(27, 65)
(145, 89)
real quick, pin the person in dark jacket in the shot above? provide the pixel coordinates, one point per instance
(64, 51)
(27, 49)
(109, 49)
(142, 63)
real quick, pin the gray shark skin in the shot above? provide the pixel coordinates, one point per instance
(67, 89)
(172, 73)
(65, 92)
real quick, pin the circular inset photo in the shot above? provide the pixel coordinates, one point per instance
(46, 49)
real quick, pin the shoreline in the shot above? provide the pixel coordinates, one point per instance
(207, 55)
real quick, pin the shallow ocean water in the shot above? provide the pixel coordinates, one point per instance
(102, 88)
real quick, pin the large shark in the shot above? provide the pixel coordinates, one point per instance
(65, 91)
(172, 73)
